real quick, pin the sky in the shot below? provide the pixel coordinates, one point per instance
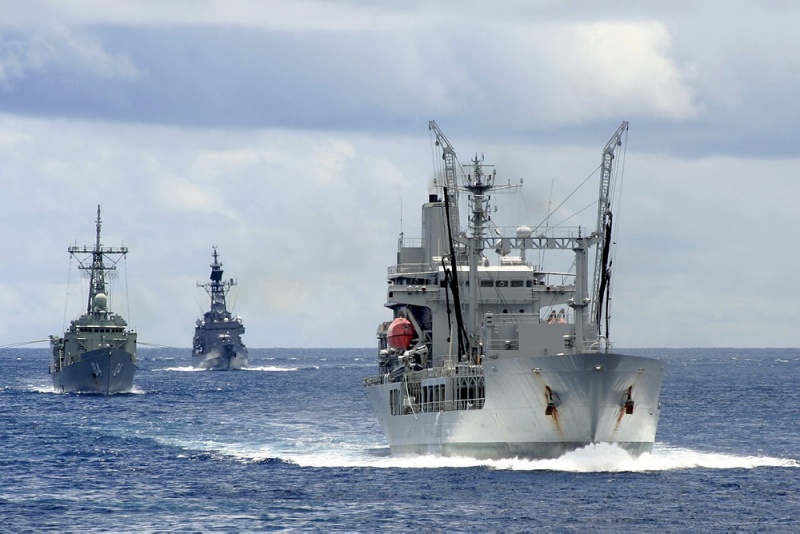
(294, 137)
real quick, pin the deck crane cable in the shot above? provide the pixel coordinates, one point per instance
(450, 182)
(21, 343)
(543, 251)
(127, 295)
(66, 300)
(544, 221)
(591, 205)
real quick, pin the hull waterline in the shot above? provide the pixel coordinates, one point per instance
(217, 362)
(595, 398)
(101, 371)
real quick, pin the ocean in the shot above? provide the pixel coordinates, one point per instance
(292, 445)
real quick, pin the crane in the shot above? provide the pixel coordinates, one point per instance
(602, 272)
(450, 182)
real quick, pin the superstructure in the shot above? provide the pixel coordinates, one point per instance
(506, 359)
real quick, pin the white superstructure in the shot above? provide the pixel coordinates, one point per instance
(509, 359)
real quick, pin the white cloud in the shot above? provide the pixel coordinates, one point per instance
(515, 72)
(308, 222)
(301, 126)
(302, 15)
(58, 47)
(297, 218)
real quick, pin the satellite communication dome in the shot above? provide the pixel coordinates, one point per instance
(524, 231)
(101, 301)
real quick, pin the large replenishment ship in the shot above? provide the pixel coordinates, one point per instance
(507, 359)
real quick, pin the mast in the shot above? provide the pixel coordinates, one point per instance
(217, 288)
(478, 184)
(97, 268)
(602, 272)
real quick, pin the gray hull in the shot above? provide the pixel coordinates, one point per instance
(221, 360)
(105, 371)
(588, 394)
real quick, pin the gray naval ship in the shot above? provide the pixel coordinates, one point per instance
(97, 353)
(217, 343)
(507, 359)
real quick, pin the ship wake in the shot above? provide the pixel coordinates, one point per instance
(268, 368)
(605, 458)
(599, 458)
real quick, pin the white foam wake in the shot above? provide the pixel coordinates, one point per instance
(190, 369)
(598, 458)
(48, 388)
(270, 368)
(41, 388)
(611, 458)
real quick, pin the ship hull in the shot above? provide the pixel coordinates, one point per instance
(103, 371)
(593, 397)
(222, 359)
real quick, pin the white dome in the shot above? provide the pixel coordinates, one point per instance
(524, 231)
(101, 301)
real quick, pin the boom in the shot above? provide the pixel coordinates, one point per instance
(602, 272)
(450, 166)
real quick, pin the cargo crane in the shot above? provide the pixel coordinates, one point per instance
(450, 183)
(603, 260)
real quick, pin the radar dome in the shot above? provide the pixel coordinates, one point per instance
(524, 231)
(101, 301)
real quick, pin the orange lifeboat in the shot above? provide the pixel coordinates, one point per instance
(400, 333)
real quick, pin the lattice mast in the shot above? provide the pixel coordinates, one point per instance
(97, 268)
(216, 287)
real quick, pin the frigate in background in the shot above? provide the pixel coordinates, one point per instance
(97, 353)
(510, 359)
(217, 341)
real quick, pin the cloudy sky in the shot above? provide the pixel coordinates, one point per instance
(293, 136)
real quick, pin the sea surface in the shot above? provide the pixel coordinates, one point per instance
(291, 444)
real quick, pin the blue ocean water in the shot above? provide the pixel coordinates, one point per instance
(292, 444)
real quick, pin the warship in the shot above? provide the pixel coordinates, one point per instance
(97, 353)
(508, 359)
(217, 343)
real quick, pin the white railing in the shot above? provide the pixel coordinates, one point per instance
(409, 268)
